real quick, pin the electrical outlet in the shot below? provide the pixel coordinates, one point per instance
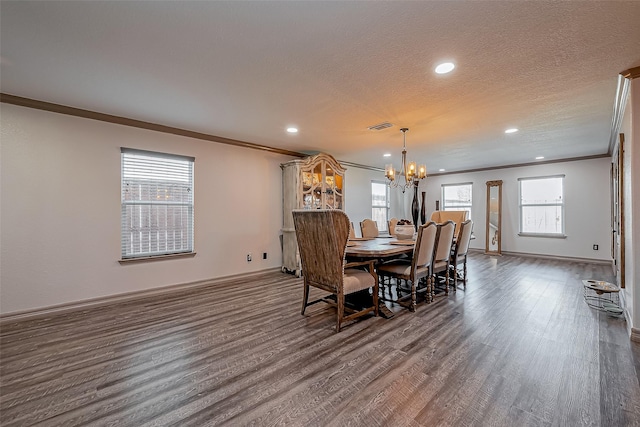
(264, 255)
(595, 247)
(249, 257)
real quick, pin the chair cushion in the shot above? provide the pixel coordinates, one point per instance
(402, 270)
(395, 268)
(357, 280)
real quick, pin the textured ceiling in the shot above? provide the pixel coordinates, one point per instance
(247, 70)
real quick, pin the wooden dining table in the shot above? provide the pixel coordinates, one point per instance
(378, 249)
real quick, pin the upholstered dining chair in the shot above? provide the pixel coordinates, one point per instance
(352, 231)
(392, 226)
(322, 236)
(459, 254)
(442, 256)
(418, 267)
(369, 228)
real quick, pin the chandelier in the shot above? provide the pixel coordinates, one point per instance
(411, 174)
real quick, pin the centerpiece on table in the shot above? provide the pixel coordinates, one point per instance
(404, 230)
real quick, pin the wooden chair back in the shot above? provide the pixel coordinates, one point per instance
(392, 226)
(458, 217)
(322, 240)
(369, 228)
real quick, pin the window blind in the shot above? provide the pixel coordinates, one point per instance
(157, 204)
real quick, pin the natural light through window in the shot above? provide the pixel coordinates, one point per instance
(457, 197)
(157, 204)
(542, 206)
(380, 204)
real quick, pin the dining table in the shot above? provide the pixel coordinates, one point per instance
(379, 249)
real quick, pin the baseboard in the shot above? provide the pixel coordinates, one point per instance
(627, 316)
(118, 298)
(558, 257)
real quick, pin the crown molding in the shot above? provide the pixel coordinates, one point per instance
(619, 104)
(518, 165)
(631, 73)
(108, 118)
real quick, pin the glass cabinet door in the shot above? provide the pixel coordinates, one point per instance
(312, 187)
(333, 188)
(322, 186)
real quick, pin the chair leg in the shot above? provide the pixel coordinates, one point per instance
(455, 276)
(464, 268)
(446, 282)
(413, 295)
(375, 299)
(340, 311)
(433, 285)
(305, 298)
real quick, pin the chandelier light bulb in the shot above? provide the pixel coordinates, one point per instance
(411, 172)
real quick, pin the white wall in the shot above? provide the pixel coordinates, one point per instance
(358, 195)
(631, 130)
(60, 209)
(587, 207)
(60, 220)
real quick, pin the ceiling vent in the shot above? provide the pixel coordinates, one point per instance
(380, 126)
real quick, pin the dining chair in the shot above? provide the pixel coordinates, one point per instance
(417, 268)
(352, 231)
(322, 236)
(459, 254)
(369, 228)
(442, 257)
(392, 226)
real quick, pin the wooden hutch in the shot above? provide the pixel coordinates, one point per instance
(315, 182)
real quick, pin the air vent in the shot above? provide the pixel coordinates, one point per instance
(380, 126)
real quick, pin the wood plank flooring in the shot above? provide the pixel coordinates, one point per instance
(518, 347)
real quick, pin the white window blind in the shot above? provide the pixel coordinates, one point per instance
(157, 204)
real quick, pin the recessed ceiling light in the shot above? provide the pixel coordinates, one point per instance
(539, 157)
(292, 130)
(387, 154)
(440, 170)
(512, 130)
(445, 67)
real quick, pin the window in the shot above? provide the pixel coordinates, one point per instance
(457, 197)
(157, 204)
(380, 204)
(542, 206)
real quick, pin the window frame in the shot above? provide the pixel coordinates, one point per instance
(188, 227)
(562, 205)
(443, 205)
(381, 227)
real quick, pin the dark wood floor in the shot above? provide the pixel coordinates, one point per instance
(518, 347)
